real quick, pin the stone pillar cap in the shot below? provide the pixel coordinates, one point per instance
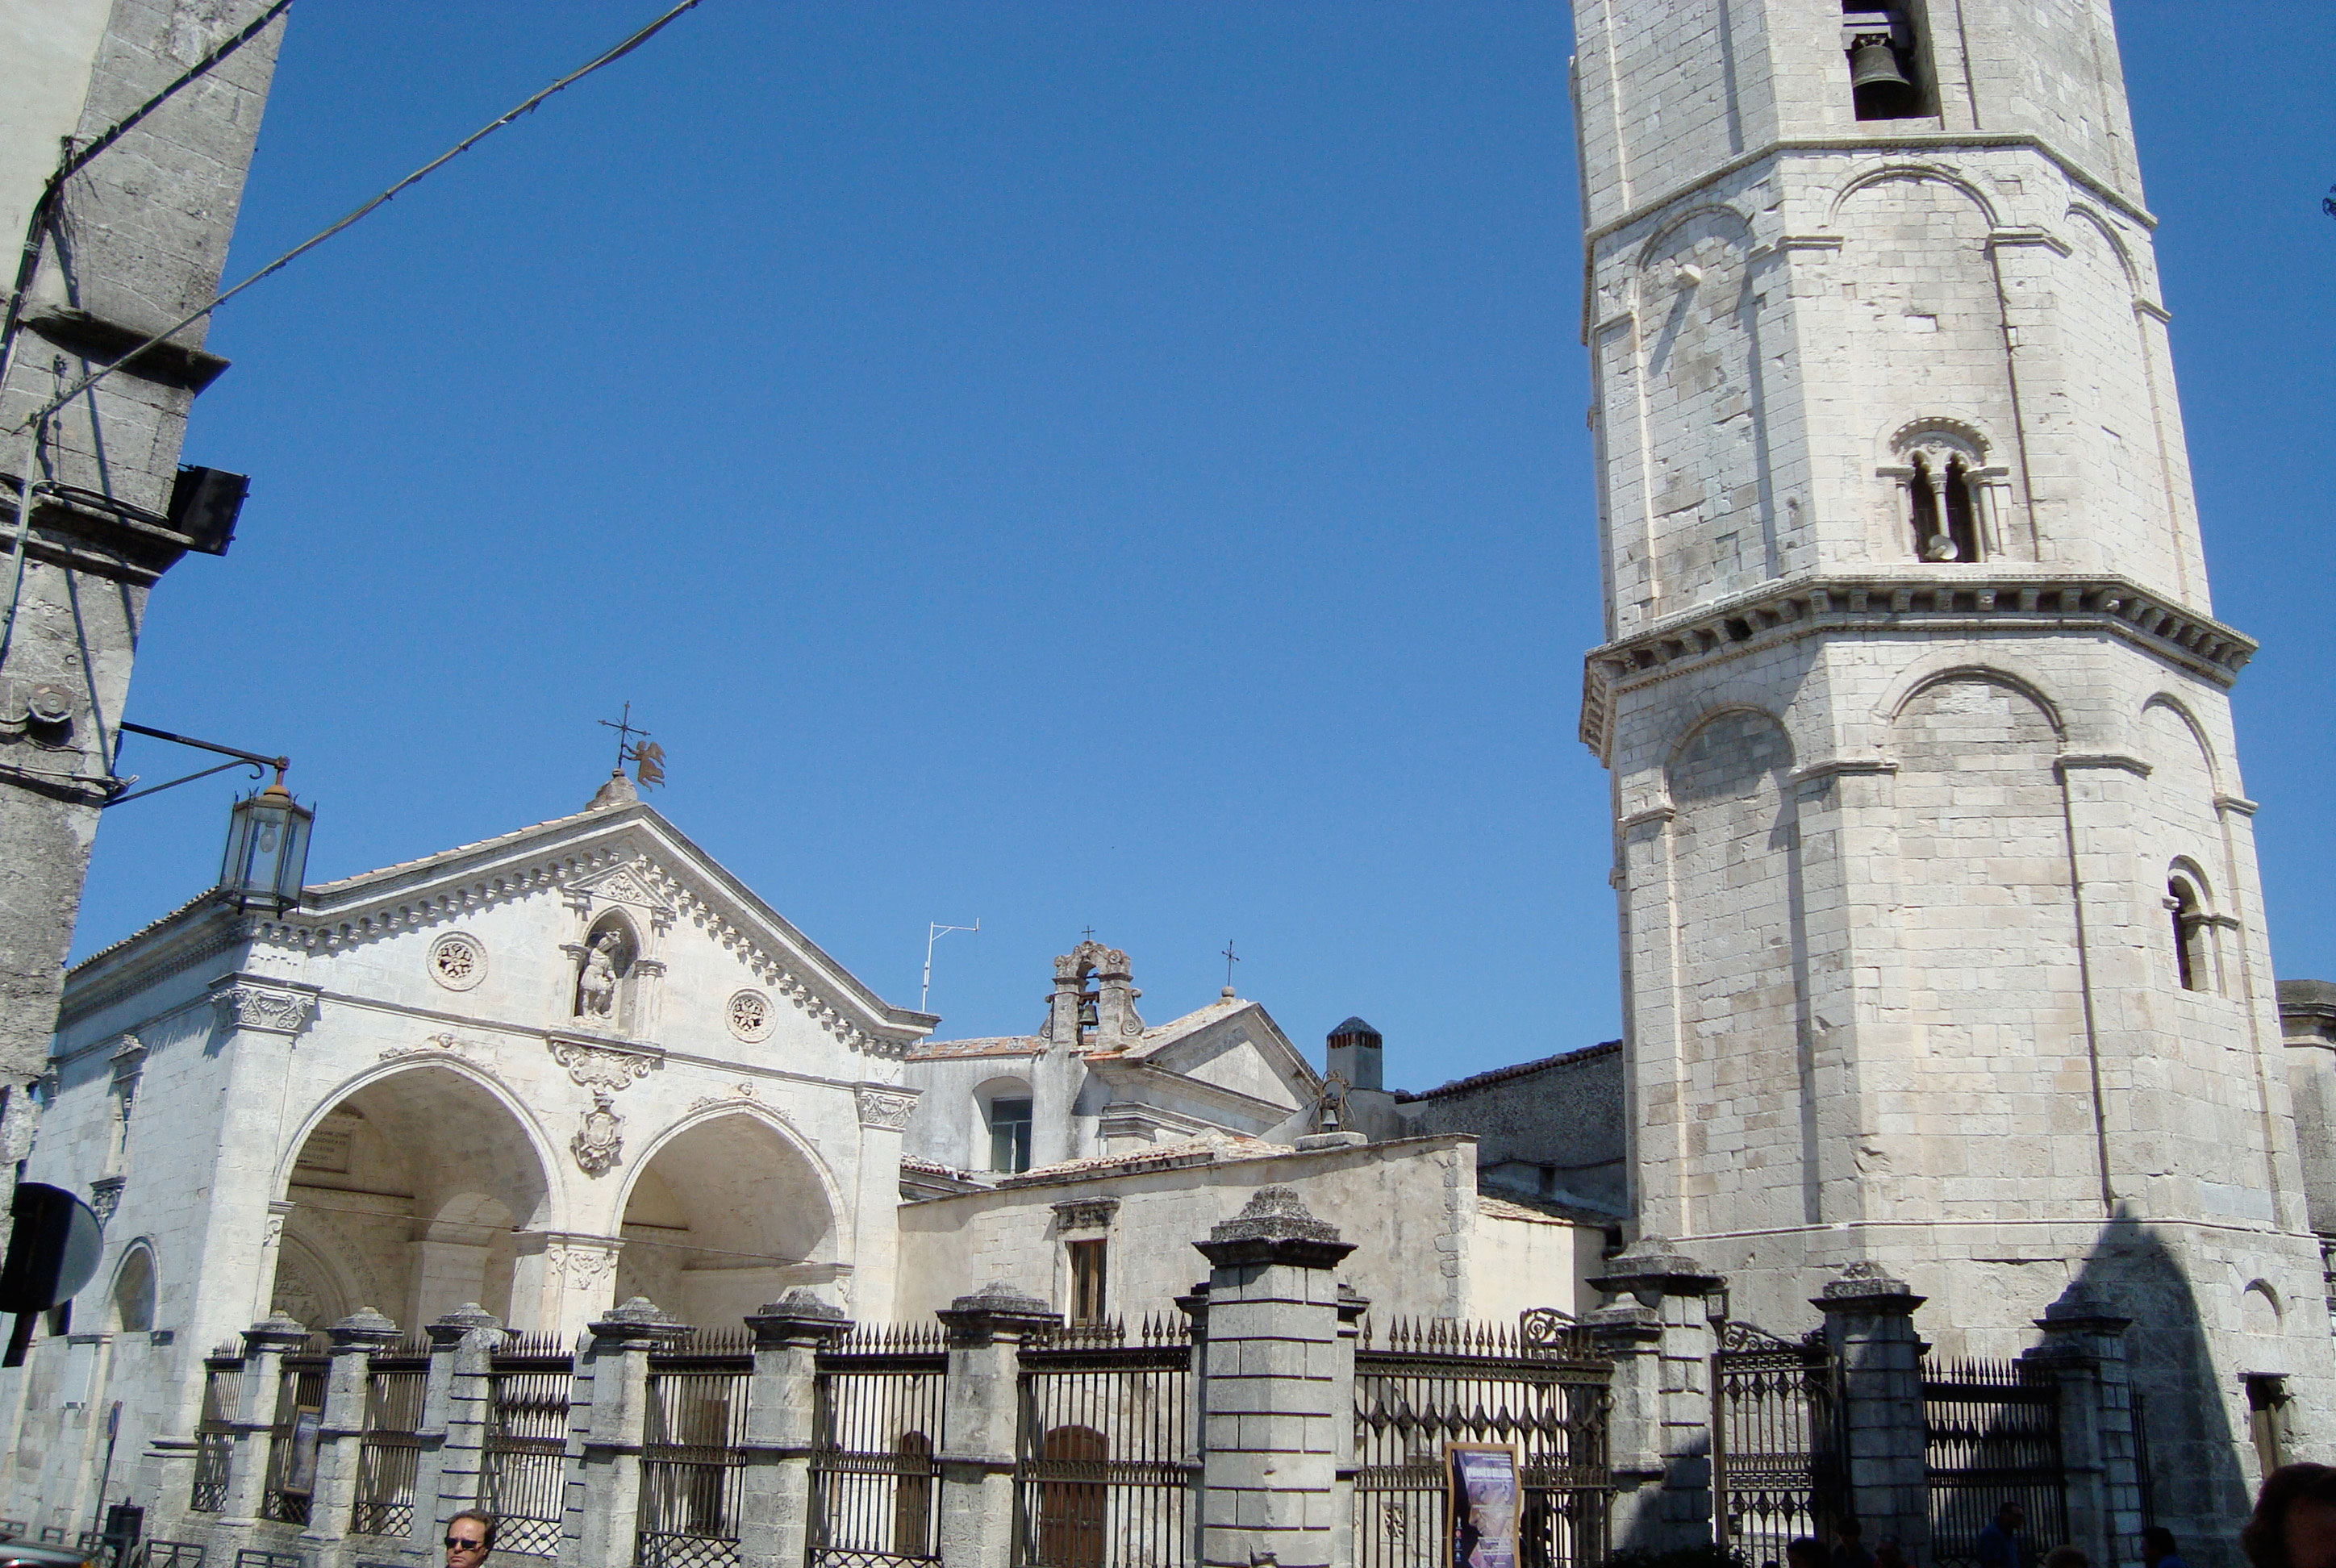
(1652, 1265)
(1275, 1226)
(999, 1300)
(638, 1318)
(2080, 1311)
(278, 1331)
(366, 1326)
(798, 1315)
(996, 1310)
(1865, 1286)
(470, 1318)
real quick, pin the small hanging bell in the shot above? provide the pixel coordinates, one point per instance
(1880, 88)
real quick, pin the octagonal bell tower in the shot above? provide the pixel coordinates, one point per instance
(1942, 936)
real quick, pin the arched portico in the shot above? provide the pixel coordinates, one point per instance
(407, 1193)
(725, 1214)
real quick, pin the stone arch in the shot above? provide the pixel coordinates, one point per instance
(1703, 719)
(1928, 673)
(2109, 236)
(134, 1291)
(725, 1211)
(2174, 708)
(410, 1185)
(1934, 173)
(312, 1287)
(1658, 243)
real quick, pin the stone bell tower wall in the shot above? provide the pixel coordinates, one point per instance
(1942, 933)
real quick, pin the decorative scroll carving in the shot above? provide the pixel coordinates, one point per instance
(887, 1108)
(244, 1006)
(742, 1092)
(105, 1196)
(601, 1067)
(1085, 1213)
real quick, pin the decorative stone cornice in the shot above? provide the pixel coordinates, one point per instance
(592, 1065)
(1085, 1213)
(1937, 599)
(246, 1004)
(886, 1109)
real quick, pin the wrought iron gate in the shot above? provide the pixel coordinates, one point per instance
(1777, 1443)
(1542, 1387)
(389, 1454)
(291, 1483)
(693, 1453)
(215, 1433)
(1992, 1437)
(526, 1449)
(1105, 1467)
(876, 1418)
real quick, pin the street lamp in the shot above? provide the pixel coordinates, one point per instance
(267, 848)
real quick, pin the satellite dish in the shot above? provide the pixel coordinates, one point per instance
(53, 1252)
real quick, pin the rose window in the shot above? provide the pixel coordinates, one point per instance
(749, 1015)
(457, 962)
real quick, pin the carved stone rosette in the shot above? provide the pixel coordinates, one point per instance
(245, 1005)
(887, 1109)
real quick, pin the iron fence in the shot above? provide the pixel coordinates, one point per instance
(692, 1454)
(1992, 1437)
(524, 1456)
(292, 1437)
(1776, 1446)
(389, 1454)
(1106, 1474)
(215, 1432)
(876, 1431)
(1541, 1387)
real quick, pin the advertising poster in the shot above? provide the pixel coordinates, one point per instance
(1488, 1499)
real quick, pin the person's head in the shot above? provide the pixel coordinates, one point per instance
(1805, 1552)
(2157, 1542)
(470, 1537)
(2066, 1557)
(2011, 1516)
(2295, 1522)
(1850, 1531)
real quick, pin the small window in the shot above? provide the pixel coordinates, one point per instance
(2267, 1407)
(1009, 1136)
(1945, 517)
(1087, 1280)
(2193, 960)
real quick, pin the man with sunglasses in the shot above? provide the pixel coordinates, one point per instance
(470, 1537)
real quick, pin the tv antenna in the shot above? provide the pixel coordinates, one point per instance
(935, 931)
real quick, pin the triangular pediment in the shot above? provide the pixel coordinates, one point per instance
(624, 884)
(1234, 1045)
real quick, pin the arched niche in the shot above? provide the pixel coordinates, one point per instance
(408, 1192)
(608, 979)
(132, 1296)
(724, 1215)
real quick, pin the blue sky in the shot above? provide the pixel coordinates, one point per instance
(1103, 465)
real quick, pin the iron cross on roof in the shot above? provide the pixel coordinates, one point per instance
(647, 757)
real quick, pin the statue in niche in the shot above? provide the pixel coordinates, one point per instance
(602, 965)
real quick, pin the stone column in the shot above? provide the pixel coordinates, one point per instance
(1633, 1336)
(1869, 1327)
(1352, 1304)
(775, 1517)
(265, 1345)
(883, 1119)
(2084, 1348)
(1268, 1404)
(608, 1417)
(1658, 1303)
(463, 1345)
(981, 1410)
(354, 1338)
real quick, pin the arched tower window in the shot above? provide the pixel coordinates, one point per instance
(1944, 501)
(2193, 953)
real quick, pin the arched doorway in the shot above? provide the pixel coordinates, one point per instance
(406, 1196)
(726, 1215)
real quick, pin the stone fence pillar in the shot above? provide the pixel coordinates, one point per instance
(1274, 1395)
(774, 1510)
(265, 1345)
(2084, 1347)
(1869, 1327)
(353, 1340)
(606, 1422)
(463, 1346)
(981, 1410)
(1660, 1324)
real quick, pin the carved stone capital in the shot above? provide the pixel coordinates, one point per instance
(105, 1196)
(887, 1109)
(244, 1004)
